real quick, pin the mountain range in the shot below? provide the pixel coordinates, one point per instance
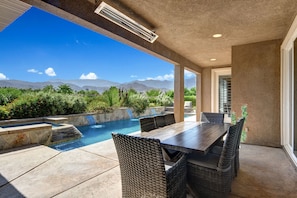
(99, 85)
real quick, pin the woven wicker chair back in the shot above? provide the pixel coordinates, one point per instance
(169, 118)
(212, 117)
(147, 124)
(229, 146)
(160, 121)
(142, 166)
(240, 127)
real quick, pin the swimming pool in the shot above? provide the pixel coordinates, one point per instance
(99, 132)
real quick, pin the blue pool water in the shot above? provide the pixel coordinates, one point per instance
(99, 132)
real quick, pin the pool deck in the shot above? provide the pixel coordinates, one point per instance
(93, 171)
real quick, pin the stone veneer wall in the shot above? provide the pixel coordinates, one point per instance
(256, 82)
(118, 114)
(25, 135)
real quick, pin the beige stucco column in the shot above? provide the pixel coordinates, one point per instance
(179, 93)
(198, 96)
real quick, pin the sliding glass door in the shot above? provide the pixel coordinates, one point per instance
(289, 93)
(293, 134)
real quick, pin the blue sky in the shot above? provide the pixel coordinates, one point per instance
(39, 47)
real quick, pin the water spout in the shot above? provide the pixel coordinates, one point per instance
(153, 112)
(91, 120)
(129, 111)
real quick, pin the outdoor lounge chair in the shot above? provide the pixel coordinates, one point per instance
(147, 124)
(143, 170)
(212, 117)
(211, 175)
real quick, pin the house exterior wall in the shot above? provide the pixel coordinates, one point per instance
(256, 82)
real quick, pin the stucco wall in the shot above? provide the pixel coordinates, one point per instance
(256, 82)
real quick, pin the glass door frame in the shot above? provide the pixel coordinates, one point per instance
(287, 92)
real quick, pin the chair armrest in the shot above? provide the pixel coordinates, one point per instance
(176, 178)
(179, 167)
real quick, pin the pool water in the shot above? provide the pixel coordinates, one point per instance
(99, 132)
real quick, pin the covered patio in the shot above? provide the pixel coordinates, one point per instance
(253, 40)
(256, 47)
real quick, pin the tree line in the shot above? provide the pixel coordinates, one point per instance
(49, 101)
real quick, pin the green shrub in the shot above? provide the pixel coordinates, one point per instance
(112, 97)
(164, 100)
(244, 114)
(170, 93)
(7, 95)
(139, 103)
(4, 113)
(152, 95)
(99, 107)
(191, 98)
(44, 104)
(125, 97)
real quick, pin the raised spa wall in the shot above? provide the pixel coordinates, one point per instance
(41, 131)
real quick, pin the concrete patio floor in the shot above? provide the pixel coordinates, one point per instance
(93, 171)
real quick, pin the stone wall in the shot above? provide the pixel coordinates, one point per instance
(25, 135)
(118, 114)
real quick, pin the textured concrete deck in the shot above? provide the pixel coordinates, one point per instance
(93, 171)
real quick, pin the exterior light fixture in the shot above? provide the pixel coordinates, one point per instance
(213, 59)
(125, 22)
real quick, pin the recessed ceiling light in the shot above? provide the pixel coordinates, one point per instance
(213, 59)
(217, 35)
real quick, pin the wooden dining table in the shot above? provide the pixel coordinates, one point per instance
(188, 136)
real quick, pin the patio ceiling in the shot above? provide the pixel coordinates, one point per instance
(185, 28)
(10, 10)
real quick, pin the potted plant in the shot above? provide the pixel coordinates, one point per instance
(244, 114)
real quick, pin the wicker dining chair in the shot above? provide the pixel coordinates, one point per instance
(147, 124)
(212, 117)
(143, 170)
(217, 149)
(169, 118)
(160, 121)
(236, 159)
(211, 175)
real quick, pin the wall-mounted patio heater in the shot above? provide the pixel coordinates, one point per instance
(124, 21)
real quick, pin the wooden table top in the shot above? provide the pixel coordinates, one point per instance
(188, 136)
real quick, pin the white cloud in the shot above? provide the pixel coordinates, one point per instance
(170, 76)
(164, 77)
(189, 74)
(50, 72)
(133, 76)
(90, 76)
(3, 77)
(34, 71)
